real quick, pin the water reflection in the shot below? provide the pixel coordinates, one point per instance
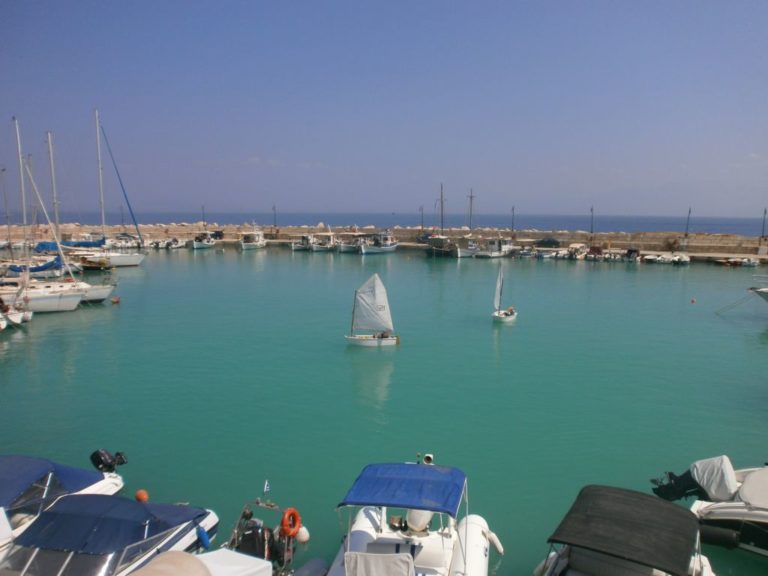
(371, 372)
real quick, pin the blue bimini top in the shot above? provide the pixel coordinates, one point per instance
(101, 524)
(18, 473)
(417, 486)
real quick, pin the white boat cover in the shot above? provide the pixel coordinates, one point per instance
(754, 490)
(221, 562)
(717, 477)
(362, 564)
(371, 311)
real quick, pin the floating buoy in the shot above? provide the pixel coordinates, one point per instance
(693, 300)
(302, 537)
(141, 495)
(115, 300)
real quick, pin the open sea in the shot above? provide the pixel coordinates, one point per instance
(219, 370)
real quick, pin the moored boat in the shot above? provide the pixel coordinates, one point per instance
(406, 518)
(731, 505)
(617, 531)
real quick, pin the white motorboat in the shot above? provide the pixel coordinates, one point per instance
(467, 248)
(505, 315)
(731, 505)
(404, 519)
(623, 532)
(371, 318)
(29, 485)
(252, 240)
(495, 248)
(379, 244)
(203, 241)
(100, 535)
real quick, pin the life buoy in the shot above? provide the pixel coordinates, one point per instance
(291, 522)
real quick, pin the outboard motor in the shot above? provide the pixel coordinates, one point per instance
(106, 462)
(674, 487)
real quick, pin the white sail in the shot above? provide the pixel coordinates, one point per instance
(499, 286)
(371, 311)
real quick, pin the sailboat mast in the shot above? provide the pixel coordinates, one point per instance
(53, 185)
(441, 208)
(21, 181)
(471, 198)
(101, 175)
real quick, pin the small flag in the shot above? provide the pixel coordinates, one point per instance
(266, 486)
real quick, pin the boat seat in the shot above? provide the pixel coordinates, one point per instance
(583, 562)
(364, 564)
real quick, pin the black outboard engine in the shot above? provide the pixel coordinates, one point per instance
(105, 462)
(674, 487)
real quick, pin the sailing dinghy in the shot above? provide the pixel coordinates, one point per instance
(371, 318)
(499, 315)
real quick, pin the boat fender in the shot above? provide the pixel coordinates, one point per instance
(493, 539)
(302, 536)
(291, 523)
(719, 536)
(202, 536)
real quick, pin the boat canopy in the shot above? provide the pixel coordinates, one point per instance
(101, 524)
(52, 246)
(55, 263)
(18, 473)
(407, 485)
(371, 309)
(633, 526)
(717, 477)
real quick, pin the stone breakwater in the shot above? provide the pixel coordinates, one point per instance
(695, 244)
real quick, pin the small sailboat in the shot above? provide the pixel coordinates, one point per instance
(499, 315)
(371, 319)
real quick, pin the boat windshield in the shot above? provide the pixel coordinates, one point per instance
(23, 561)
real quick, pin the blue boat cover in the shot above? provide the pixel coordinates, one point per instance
(52, 247)
(18, 473)
(100, 524)
(417, 486)
(51, 264)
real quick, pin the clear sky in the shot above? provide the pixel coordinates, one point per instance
(634, 107)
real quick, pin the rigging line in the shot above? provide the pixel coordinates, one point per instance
(119, 179)
(737, 303)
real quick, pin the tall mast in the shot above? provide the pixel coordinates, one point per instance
(471, 197)
(513, 218)
(21, 181)
(53, 185)
(101, 175)
(441, 207)
(5, 204)
(687, 221)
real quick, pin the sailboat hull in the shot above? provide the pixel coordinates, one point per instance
(371, 341)
(504, 317)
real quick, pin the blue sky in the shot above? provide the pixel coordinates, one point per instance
(639, 107)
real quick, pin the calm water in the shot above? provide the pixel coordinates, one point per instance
(221, 369)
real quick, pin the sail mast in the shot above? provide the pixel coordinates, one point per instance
(21, 182)
(53, 185)
(101, 175)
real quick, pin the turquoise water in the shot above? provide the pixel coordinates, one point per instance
(221, 369)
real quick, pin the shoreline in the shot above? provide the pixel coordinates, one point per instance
(695, 244)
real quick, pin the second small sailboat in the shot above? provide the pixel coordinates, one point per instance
(507, 315)
(371, 319)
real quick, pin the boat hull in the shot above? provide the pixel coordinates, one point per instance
(371, 341)
(364, 249)
(38, 301)
(502, 317)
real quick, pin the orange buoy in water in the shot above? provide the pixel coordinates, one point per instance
(115, 299)
(142, 495)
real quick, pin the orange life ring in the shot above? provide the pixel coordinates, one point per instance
(291, 522)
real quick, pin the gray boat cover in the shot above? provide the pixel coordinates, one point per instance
(754, 490)
(717, 477)
(633, 526)
(363, 564)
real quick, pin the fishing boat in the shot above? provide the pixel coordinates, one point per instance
(617, 531)
(508, 314)
(371, 318)
(100, 535)
(302, 243)
(404, 518)
(203, 241)
(252, 240)
(323, 242)
(29, 485)
(731, 505)
(381, 243)
(349, 242)
(495, 248)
